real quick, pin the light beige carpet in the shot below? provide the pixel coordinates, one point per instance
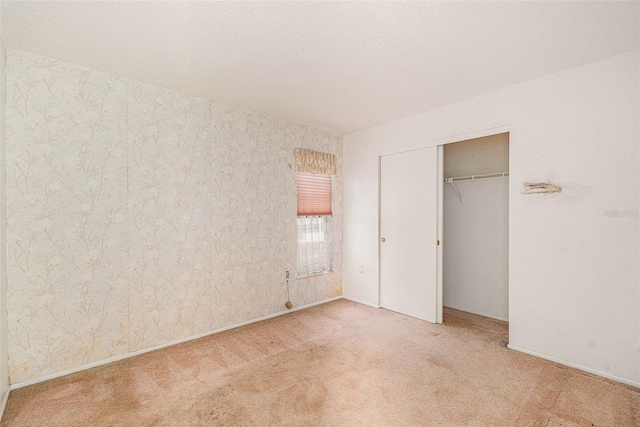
(339, 364)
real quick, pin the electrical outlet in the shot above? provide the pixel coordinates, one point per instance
(287, 274)
(362, 269)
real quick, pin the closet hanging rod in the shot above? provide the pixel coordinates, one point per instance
(474, 177)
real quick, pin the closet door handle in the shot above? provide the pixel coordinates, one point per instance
(383, 240)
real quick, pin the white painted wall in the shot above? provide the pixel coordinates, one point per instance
(573, 270)
(476, 247)
(4, 373)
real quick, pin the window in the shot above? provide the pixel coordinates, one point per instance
(314, 224)
(314, 172)
(314, 246)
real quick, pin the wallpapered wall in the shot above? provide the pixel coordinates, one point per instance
(138, 215)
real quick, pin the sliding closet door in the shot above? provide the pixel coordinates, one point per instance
(408, 232)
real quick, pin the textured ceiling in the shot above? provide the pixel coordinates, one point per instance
(339, 66)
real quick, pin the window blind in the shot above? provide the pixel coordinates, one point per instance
(314, 194)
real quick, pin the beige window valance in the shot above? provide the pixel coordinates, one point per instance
(308, 161)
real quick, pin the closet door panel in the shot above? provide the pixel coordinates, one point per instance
(408, 232)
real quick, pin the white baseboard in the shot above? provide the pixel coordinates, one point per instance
(160, 346)
(576, 366)
(3, 404)
(361, 302)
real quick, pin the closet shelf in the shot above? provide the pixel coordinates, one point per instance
(475, 177)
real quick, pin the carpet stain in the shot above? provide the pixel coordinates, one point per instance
(219, 408)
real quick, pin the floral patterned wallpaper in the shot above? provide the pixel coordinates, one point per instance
(138, 215)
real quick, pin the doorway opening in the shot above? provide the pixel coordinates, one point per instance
(476, 230)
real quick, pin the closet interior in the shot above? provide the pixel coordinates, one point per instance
(476, 226)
